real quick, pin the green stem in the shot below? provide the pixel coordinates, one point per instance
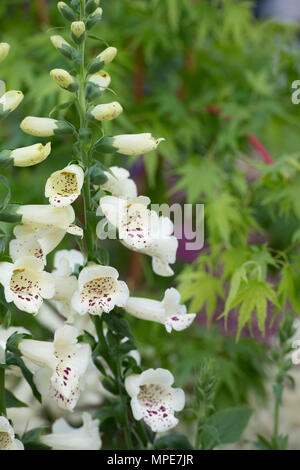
(127, 430)
(2, 392)
(276, 421)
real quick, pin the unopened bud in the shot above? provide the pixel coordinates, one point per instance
(63, 79)
(67, 12)
(78, 31)
(94, 19)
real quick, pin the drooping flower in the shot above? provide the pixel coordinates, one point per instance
(104, 112)
(128, 144)
(99, 290)
(141, 230)
(64, 186)
(31, 155)
(64, 437)
(61, 365)
(7, 436)
(168, 312)
(153, 398)
(45, 127)
(40, 216)
(63, 79)
(5, 333)
(26, 283)
(10, 101)
(4, 50)
(119, 183)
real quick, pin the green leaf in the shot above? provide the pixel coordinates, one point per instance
(12, 359)
(31, 439)
(117, 324)
(173, 442)
(5, 193)
(12, 402)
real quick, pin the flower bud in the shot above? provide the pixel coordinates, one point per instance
(45, 127)
(67, 12)
(31, 155)
(4, 50)
(104, 112)
(94, 19)
(63, 46)
(91, 6)
(128, 144)
(102, 60)
(78, 31)
(63, 79)
(10, 101)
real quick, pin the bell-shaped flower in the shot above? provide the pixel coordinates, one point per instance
(141, 230)
(10, 101)
(7, 436)
(104, 112)
(45, 127)
(34, 242)
(64, 186)
(99, 290)
(128, 144)
(168, 312)
(119, 183)
(5, 333)
(61, 365)
(153, 398)
(26, 283)
(63, 79)
(4, 50)
(64, 437)
(47, 217)
(31, 155)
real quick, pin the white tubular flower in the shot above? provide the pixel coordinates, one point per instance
(99, 290)
(168, 312)
(61, 365)
(154, 400)
(4, 50)
(10, 101)
(64, 437)
(128, 144)
(47, 217)
(119, 183)
(34, 242)
(7, 436)
(31, 155)
(141, 230)
(105, 112)
(26, 283)
(63, 79)
(64, 186)
(100, 79)
(4, 335)
(45, 127)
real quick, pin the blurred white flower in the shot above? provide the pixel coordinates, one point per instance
(7, 436)
(119, 183)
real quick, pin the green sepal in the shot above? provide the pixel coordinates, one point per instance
(78, 40)
(97, 175)
(93, 91)
(91, 6)
(67, 51)
(92, 21)
(64, 128)
(95, 66)
(73, 87)
(68, 13)
(105, 145)
(14, 340)
(5, 159)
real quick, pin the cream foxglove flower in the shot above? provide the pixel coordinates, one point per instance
(105, 112)
(45, 127)
(64, 186)
(63, 79)
(119, 183)
(168, 312)
(26, 283)
(128, 144)
(64, 437)
(34, 242)
(141, 230)
(153, 398)
(40, 216)
(7, 436)
(61, 365)
(31, 155)
(102, 59)
(10, 101)
(63, 46)
(5, 333)
(99, 290)
(78, 31)
(4, 50)
(101, 79)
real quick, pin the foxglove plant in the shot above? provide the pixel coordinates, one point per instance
(82, 284)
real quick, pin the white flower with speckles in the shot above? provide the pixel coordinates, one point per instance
(101, 79)
(7, 436)
(5, 333)
(99, 290)
(34, 242)
(168, 312)
(64, 186)
(141, 230)
(61, 365)
(119, 183)
(64, 437)
(40, 216)
(153, 398)
(26, 283)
